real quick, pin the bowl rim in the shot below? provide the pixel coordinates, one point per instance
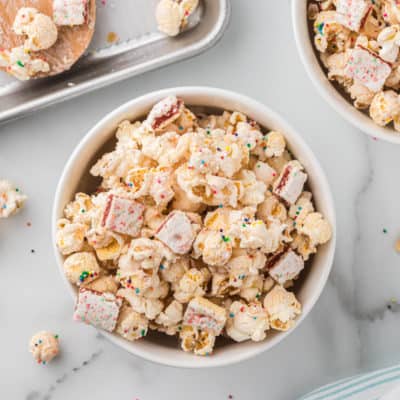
(325, 88)
(240, 100)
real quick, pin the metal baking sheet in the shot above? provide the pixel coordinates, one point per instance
(140, 48)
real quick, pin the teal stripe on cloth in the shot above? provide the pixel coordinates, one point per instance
(369, 386)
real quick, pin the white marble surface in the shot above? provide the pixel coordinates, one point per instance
(350, 330)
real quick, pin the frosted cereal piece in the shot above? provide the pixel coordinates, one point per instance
(11, 199)
(81, 268)
(282, 307)
(385, 107)
(131, 325)
(367, 68)
(70, 12)
(290, 183)
(98, 309)
(164, 113)
(247, 322)
(204, 315)
(70, 237)
(40, 30)
(352, 13)
(287, 267)
(44, 347)
(177, 232)
(103, 284)
(316, 228)
(200, 343)
(123, 216)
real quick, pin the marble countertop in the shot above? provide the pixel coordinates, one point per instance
(354, 326)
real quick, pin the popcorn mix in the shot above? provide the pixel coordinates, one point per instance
(218, 255)
(358, 42)
(44, 347)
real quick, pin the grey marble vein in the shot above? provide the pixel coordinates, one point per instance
(48, 394)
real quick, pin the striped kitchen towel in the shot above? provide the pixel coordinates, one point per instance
(371, 386)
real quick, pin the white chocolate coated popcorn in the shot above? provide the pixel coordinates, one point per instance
(247, 322)
(44, 347)
(195, 217)
(282, 308)
(172, 15)
(39, 28)
(11, 199)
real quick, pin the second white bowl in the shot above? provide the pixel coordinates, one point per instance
(160, 348)
(319, 77)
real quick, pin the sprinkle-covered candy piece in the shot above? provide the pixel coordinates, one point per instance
(367, 68)
(287, 267)
(290, 183)
(177, 232)
(204, 315)
(352, 13)
(70, 12)
(123, 215)
(98, 309)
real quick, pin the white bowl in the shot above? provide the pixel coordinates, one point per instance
(75, 176)
(328, 91)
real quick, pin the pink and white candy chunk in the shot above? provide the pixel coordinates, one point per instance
(98, 309)
(367, 69)
(351, 13)
(70, 12)
(177, 232)
(164, 112)
(287, 267)
(123, 216)
(290, 183)
(204, 315)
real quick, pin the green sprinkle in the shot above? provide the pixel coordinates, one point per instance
(385, 230)
(231, 315)
(20, 63)
(248, 145)
(143, 332)
(55, 336)
(225, 238)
